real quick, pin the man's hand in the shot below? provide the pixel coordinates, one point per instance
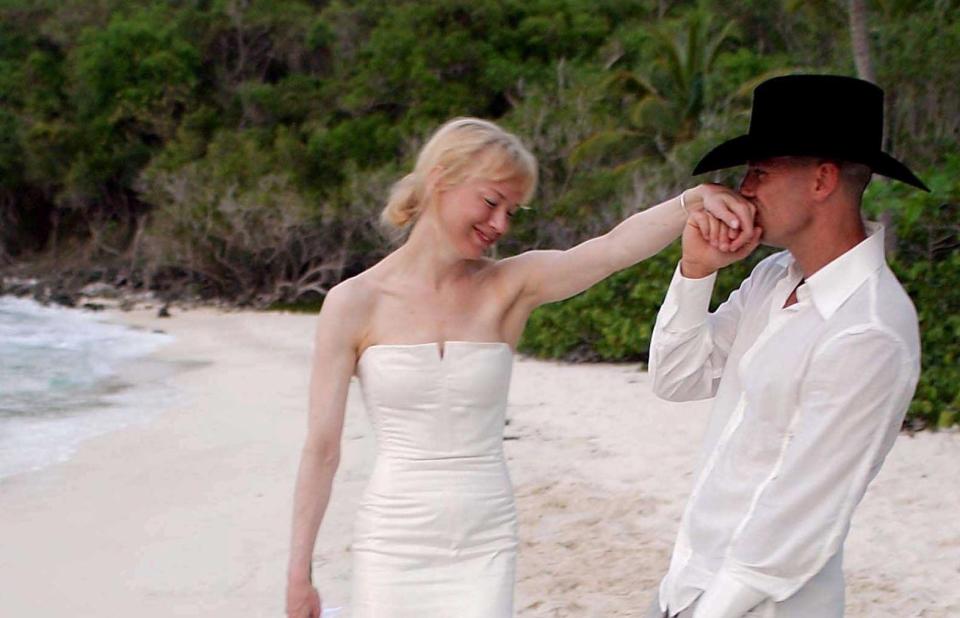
(709, 245)
(727, 207)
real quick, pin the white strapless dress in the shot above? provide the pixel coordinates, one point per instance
(435, 534)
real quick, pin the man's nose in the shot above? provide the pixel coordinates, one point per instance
(746, 186)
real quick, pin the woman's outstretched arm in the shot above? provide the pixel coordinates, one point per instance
(334, 360)
(549, 276)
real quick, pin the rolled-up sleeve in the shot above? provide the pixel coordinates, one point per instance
(851, 406)
(689, 346)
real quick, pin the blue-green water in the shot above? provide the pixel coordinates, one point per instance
(58, 380)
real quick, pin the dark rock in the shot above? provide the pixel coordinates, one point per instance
(164, 312)
(94, 306)
(62, 298)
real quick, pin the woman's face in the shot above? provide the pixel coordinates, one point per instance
(477, 212)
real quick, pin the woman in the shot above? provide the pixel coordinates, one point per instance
(430, 332)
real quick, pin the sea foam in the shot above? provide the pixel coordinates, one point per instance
(58, 381)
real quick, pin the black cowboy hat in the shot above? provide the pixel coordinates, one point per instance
(828, 116)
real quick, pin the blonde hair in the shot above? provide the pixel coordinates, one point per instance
(461, 149)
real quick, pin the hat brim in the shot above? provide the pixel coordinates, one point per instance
(742, 149)
(885, 165)
(730, 153)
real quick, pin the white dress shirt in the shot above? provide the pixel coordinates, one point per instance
(809, 400)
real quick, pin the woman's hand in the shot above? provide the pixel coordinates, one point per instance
(710, 244)
(303, 600)
(728, 209)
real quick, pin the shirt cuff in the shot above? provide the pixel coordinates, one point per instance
(727, 598)
(691, 297)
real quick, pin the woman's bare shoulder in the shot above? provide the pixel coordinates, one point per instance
(345, 315)
(353, 297)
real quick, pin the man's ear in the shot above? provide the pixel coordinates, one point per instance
(826, 180)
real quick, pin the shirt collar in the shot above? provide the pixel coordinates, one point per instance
(833, 284)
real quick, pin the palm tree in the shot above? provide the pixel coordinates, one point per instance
(665, 103)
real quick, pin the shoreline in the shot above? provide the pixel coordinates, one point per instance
(189, 514)
(167, 518)
(74, 375)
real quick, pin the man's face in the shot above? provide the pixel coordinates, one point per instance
(779, 187)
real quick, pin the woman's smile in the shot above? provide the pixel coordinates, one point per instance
(484, 239)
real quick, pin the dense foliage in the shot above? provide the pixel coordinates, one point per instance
(243, 148)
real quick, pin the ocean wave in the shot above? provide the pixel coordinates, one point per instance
(58, 385)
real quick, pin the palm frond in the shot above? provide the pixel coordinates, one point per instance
(629, 81)
(599, 143)
(726, 33)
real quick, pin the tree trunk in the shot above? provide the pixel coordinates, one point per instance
(860, 41)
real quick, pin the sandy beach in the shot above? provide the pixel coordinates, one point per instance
(189, 514)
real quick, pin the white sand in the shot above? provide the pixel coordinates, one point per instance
(188, 515)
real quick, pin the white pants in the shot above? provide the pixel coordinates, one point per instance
(821, 597)
(762, 611)
(656, 612)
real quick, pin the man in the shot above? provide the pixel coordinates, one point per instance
(812, 361)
